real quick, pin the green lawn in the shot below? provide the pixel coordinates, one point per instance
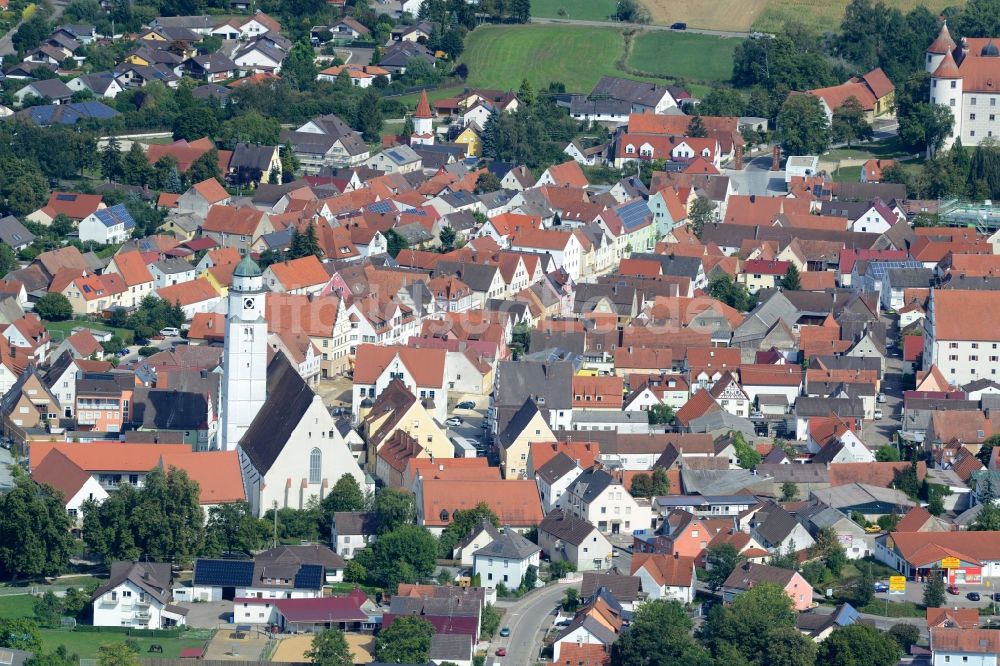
(21, 605)
(685, 55)
(586, 10)
(60, 329)
(500, 56)
(884, 149)
(85, 643)
(848, 174)
(824, 15)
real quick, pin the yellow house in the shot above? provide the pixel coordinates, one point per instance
(216, 279)
(152, 36)
(473, 144)
(137, 59)
(526, 427)
(398, 409)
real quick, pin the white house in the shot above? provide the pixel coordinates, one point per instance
(665, 576)
(956, 645)
(481, 536)
(137, 595)
(107, 226)
(554, 479)
(565, 538)
(351, 531)
(563, 246)
(76, 485)
(964, 347)
(422, 371)
(505, 560)
(595, 496)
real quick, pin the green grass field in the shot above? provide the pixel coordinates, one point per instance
(585, 10)
(823, 15)
(60, 329)
(21, 605)
(685, 55)
(501, 56)
(85, 643)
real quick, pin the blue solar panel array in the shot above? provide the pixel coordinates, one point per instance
(878, 269)
(632, 214)
(223, 573)
(117, 214)
(380, 207)
(310, 576)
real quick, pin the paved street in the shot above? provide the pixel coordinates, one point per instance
(529, 620)
(636, 26)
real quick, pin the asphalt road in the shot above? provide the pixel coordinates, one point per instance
(529, 620)
(638, 26)
(6, 42)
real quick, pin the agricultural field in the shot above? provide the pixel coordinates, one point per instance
(826, 16)
(687, 55)
(581, 10)
(727, 15)
(499, 56)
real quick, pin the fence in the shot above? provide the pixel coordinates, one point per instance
(129, 631)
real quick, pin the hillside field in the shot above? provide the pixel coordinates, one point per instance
(583, 10)
(500, 56)
(684, 54)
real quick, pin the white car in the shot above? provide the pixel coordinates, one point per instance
(170, 331)
(454, 421)
(878, 413)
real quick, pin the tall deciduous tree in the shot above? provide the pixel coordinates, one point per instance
(35, 539)
(721, 559)
(406, 641)
(934, 591)
(232, 528)
(850, 124)
(702, 213)
(299, 67)
(802, 126)
(330, 648)
(660, 633)
(462, 523)
(205, 167)
(859, 645)
(368, 119)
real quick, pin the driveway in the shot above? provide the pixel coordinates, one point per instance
(529, 619)
(208, 614)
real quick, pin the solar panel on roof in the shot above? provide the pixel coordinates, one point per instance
(309, 576)
(65, 197)
(223, 573)
(380, 207)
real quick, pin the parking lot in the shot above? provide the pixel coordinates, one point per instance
(915, 593)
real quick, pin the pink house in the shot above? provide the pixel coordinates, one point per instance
(749, 574)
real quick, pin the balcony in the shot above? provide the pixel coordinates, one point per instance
(107, 602)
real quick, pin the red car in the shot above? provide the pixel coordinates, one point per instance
(953, 589)
(501, 652)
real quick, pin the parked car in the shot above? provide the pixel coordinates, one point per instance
(454, 421)
(122, 352)
(973, 596)
(501, 652)
(466, 404)
(680, 25)
(881, 397)
(505, 632)
(953, 589)
(881, 587)
(170, 331)
(996, 596)
(878, 413)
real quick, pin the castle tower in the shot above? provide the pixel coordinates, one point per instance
(423, 129)
(946, 89)
(244, 383)
(942, 45)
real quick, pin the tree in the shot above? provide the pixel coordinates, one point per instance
(789, 491)
(305, 243)
(232, 528)
(330, 648)
(346, 495)
(934, 592)
(849, 123)
(660, 414)
(702, 213)
(20, 634)
(988, 519)
(857, 645)
(395, 243)
(887, 453)
(299, 67)
(35, 538)
(660, 634)
(462, 523)
(487, 182)
(721, 559)
(48, 609)
(571, 600)
(828, 547)
(205, 167)
(252, 128)
(453, 42)
(117, 654)
(791, 280)
(722, 288)
(905, 634)
(393, 507)
(788, 646)
(60, 657)
(404, 555)
(447, 239)
(748, 623)
(802, 126)
(530, 578)
(195, 122)
(864, 589)
(369, 120)
(646, 485)
(986, 450)
(490, 620)
(53, 306)
(8, 260)
(407, 641)
(696, 128)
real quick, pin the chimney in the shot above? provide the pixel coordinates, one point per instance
(776, 158)
(739, 158)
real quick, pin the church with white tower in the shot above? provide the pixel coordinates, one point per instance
(289, 447)
(244, 388)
